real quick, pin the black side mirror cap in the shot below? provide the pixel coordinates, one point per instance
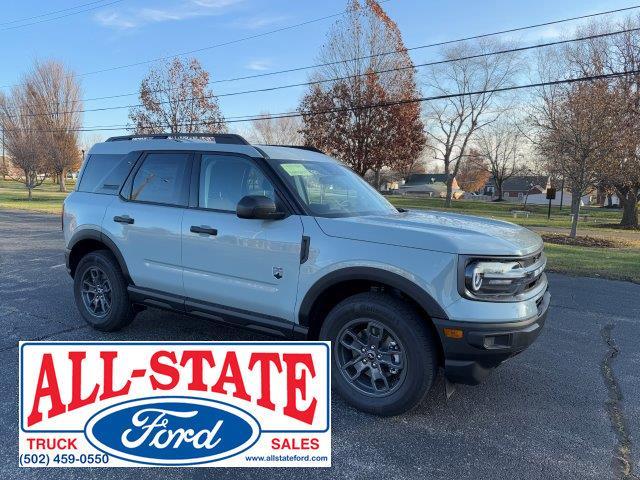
(258, 207)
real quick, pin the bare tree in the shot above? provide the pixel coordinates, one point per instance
(344, 116)
(55, 100)
(22, 141)
(575, 128)
(276, 131)
(622, 172)
(500, 145)
(452, 122)
(619, 168)
(176, 97)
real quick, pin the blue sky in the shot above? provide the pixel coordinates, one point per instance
(131, 31)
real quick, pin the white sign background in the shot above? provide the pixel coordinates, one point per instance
(304, 444)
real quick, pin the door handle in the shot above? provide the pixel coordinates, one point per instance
(123, 219)
(207, 230)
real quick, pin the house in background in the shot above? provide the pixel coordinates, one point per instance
(533, 190)
(430, 184)
(518, 187)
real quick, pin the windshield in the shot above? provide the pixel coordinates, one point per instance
(331, 190)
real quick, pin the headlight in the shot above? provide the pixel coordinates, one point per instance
(499, 278)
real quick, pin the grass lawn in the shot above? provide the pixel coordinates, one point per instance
(617, 263)
(46, 197)
(614, 263)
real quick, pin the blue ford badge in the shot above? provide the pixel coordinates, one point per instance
(172, 430)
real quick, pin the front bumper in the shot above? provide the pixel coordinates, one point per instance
(484, 346)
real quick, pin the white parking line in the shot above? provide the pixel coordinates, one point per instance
(58, 266)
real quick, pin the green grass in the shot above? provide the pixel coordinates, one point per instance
(46, 197)
(614, 263)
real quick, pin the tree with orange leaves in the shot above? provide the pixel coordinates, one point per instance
(353, 113)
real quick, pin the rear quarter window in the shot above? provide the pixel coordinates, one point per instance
(105, 173)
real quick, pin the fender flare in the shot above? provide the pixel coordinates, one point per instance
(93, 234)
(406, 286)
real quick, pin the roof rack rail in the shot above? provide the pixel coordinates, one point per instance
(301, 147)
(229, 138)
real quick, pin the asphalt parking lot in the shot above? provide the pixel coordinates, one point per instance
(568, 407)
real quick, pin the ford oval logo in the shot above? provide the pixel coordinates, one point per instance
(172, 430)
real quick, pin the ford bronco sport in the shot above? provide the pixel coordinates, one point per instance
(288, 241)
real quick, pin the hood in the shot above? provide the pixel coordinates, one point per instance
(441, 231)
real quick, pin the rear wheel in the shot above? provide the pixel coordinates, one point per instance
(100, 291)
(384, 358)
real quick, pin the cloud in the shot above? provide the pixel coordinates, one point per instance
(259, 65)
(136, 17)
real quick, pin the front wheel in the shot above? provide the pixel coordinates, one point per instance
(384, 358)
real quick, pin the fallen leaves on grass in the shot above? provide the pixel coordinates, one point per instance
(583, 241)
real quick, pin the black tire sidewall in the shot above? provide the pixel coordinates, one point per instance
(121, 312)
(412, 333)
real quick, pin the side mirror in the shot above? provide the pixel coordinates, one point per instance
(258, 207)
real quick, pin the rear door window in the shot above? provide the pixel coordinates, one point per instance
(163, 178)
(105, 173)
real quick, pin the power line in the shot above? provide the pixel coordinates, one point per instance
(58, 17)
(308, 67)
(24, 19)
(337, 79)
(382, 104)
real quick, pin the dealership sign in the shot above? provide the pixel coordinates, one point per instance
(208, 404)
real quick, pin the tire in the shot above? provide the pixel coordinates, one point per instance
(395, 326)
(112, 286)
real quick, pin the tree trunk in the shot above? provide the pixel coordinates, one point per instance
(447, 202)
(376, 179)
(500, 192)
(629, 204)
(63, 185)
(575, 210)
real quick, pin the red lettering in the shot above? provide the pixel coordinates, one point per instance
(295, 384)
(167, 370)
(76, 382)
(52, 443)
(265, 360)
(234, 376)
(197, 358)
(303, 443)
(109, 392)
(47, 370)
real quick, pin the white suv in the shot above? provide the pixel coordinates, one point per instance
(288, 241)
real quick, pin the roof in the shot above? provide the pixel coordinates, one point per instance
(294, 153)
(127, 144)
(523, 183)
(437, 187)
(425, 179)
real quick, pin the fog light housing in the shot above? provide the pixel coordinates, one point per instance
(454, 333)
